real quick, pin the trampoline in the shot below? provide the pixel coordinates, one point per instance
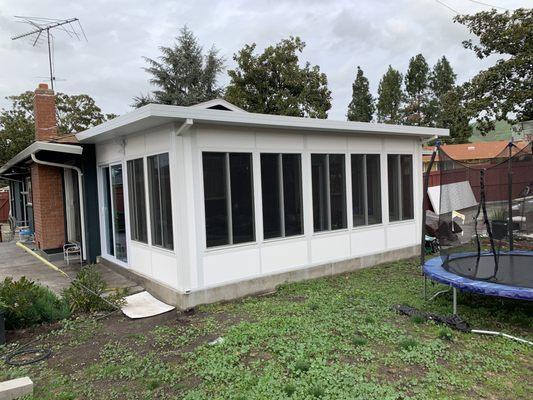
(481, 214)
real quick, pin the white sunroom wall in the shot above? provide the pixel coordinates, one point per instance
(231, 263)
(158, 264)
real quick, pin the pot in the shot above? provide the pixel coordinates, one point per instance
(499, 229)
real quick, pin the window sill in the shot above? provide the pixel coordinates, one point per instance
(366, 227)
(283, 239)
(331, 232)
(402, 222)
(162, 249)
(223, 247)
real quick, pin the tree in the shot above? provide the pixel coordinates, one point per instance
(416, 85)
(182, 74)
(452, 114)
(75, 113)
(274, 82)
(361, 108)
(442, 78)
(505, 90)
(390, 97)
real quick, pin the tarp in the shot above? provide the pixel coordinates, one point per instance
(143, 305)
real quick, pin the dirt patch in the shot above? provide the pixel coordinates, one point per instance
(395, 373)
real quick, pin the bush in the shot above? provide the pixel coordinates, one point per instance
(27, 303)
(86, 292)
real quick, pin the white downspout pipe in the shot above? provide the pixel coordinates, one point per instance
(80, 189)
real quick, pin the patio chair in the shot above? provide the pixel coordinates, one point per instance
(71, 251)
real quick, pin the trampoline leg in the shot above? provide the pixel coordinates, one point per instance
(454, 301)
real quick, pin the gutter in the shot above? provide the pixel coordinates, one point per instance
(80, 189)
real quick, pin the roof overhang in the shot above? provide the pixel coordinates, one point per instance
(35, 147)
(154, 115)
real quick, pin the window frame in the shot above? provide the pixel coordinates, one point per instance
(398, 196)
(365, 190)
(151, 230)
(132, 203)
(228, 199)
(328, 207)
(281, 194)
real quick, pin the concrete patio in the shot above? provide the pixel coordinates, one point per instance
(16, 263)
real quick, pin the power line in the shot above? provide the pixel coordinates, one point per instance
(488, 5)
(448, 7)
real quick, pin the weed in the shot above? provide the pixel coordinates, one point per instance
(302, 365)
(445, 334)
(313, 306)
(407, 343)
(359, 341)
(418, 319)
(317, 391)
(289, 389)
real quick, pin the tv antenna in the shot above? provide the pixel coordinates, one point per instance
(42, 28)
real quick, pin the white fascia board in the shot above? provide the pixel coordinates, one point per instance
(153, 115)
(41, 146)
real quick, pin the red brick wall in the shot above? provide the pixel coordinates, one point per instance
(48, 208)
(44, 109)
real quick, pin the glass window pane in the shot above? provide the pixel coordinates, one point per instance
(270, 189)
(358, 189)
(137, 200)
(166, 202)
(337, 186)
(215, 199)
(108, 222)
(319, 171)
(394, 187)
(160, 201)
(155, 200)
(119, 219)
(292, 194)
(242, 204)
(407, 186)
(373, 181)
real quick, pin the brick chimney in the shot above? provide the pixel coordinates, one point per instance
(44, 108)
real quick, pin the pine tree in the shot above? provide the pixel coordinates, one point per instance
(416, 85)
(442, 78)
(183, 75)
(454, 116)
(390, 97)
(361, 108)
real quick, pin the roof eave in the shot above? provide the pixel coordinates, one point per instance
(35, 147)
(153, 115)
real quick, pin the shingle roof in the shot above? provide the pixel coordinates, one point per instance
(475, 151)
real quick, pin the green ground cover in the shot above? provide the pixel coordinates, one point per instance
(331, 338)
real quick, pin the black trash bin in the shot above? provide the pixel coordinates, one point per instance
(2, 328)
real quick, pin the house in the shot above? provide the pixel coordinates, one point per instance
(209, 202)
(475, 153)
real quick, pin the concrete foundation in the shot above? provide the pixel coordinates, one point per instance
(260, 284)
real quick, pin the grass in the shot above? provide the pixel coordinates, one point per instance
(330, 338)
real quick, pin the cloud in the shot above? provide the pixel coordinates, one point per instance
(340, 35)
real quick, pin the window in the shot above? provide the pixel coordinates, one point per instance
(137, 200)
(329, 191)
(366, 189)
(160, 201)
(228, 198)
(281, 187)
(400, 171)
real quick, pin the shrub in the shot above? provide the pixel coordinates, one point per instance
(86, 292)
(27, 303)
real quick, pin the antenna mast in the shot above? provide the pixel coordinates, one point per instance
(42, 27)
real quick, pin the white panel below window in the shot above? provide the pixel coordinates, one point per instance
(368, 241)
(402, 235)
(330, 248)
(229, 266)
(283, 255)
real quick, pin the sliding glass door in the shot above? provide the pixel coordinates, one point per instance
(114, 212)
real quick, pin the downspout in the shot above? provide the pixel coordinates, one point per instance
(80, 189)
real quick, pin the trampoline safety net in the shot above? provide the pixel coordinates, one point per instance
(481, 213)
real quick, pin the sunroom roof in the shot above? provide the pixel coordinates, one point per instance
(153, 115)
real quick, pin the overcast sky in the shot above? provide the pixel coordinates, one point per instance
(340, 34)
